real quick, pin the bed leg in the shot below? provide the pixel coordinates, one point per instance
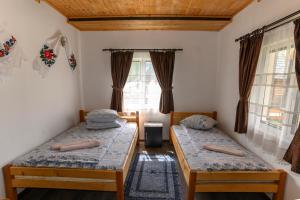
(137, 114)
(138, 139)
(170, 138)
(11, 192)
(120, 186)
(171, 124)
(191, 186)
(281, 185)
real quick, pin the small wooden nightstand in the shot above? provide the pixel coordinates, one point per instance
(153, 134)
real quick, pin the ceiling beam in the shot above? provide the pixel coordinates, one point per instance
(147, 18)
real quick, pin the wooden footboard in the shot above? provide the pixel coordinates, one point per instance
(242, 181)
(227, 181)
(78, 179)
(69, 178)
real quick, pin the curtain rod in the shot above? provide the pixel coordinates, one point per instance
(285, 20)
(142, 49)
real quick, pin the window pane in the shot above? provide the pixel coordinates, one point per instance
(142, 91)
(135, 71)
(276, 82)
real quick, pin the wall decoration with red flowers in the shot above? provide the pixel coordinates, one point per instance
(48, 56)
(50, 51)
(11, 55)
(72, 62)
(6, 46)
(69, 53)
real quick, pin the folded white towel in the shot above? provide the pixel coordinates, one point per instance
(223, 149)
(57, 146)
(82, 144)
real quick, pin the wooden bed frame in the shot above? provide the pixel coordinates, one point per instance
(69, 178)
(225, 181)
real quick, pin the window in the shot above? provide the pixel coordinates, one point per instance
(142, 90)
(279, 72)
(274, 100)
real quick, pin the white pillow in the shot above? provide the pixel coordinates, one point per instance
(200, 122)
(102, 115)
(105, 125)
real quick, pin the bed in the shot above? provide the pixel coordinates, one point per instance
(86, 174)
(203, 173)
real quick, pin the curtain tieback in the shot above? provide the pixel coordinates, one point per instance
(243, 99)
(167, 89)
(117, 88)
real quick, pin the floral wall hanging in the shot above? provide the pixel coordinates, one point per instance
(69, 53)
(11, 56)
(49, 52)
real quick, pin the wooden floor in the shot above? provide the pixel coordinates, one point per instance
(51, 194)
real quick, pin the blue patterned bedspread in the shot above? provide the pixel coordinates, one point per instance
(192, 141)
(111, 154)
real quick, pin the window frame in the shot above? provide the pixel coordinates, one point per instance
(263, 118)
(142, 79)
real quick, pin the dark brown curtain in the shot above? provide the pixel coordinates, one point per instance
(249, 53)
(120, 66)
(293, 153)
(163, 64)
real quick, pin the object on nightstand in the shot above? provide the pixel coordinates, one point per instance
(153, 134)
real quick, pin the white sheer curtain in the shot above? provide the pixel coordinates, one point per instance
(142, 91)
(274, 100)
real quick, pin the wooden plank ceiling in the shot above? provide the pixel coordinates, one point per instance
(97, 15)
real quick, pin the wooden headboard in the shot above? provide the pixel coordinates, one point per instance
(130, 117)
(176, 117)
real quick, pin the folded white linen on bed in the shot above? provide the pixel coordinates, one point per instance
(56, 146)
(224, 149)
(80, 144)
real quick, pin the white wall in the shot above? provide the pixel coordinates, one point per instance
(33, 109)
(254, 16)
(195, 67)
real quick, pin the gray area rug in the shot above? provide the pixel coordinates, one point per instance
(153, 176)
